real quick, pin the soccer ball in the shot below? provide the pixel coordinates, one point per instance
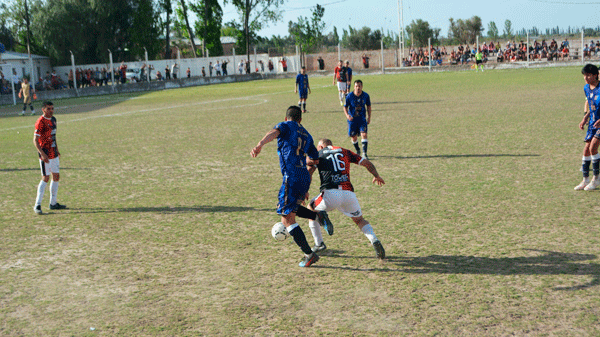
(279, 232)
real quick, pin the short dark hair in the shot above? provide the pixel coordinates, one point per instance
(294, 113)
(590, 69)
(47, 103)
(358, 81)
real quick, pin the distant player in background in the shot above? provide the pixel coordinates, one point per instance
(348, 76)
(303, 88)
(27, 91)
(44, 139)
(478, 60)
(294, 144)
(592, 137)
(358, 113)
(339, 77)
(337, 191)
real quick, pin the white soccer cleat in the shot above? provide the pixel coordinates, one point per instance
(582, 184)
(592, 185)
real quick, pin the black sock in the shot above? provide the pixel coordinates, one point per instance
(306, 213)
(356, 147)
(300, 239)
(585, 168)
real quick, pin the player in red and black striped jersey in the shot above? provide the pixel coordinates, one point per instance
(337, 191)
(44, 139)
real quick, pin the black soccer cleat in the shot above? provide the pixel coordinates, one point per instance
(325, 222)
(57, 206)
(308, 260)
(379, 251)
(37, 209)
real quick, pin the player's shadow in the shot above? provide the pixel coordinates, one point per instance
(550, 263)
(171, 210)
(37, 169)
(449, 156)
(408, 102)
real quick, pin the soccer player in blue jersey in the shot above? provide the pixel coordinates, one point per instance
(358, 113)
(294, 144)
(303, 88)
(592, 137)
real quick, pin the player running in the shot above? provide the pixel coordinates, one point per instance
(294, 144)
(337, 191)
(303, 87)
(340, 77)
(358, 113)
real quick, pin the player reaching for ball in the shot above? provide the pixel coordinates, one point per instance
(337, 191)
(592, 137)
(294, 145)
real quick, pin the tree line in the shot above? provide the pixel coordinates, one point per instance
(89, 29)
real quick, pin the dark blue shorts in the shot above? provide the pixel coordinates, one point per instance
(591, 133)
(291, 194)
(357, 126)
(303, 94)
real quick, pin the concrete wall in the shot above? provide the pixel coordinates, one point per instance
(144, 86)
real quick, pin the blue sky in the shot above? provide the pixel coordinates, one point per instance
(378, 14)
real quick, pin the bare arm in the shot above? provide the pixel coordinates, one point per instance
(586, 116)
(368, 114)
(37, 145)
(348, 117)
(270, 136)
(371, 168)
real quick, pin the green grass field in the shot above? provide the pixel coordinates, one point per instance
(168, 227)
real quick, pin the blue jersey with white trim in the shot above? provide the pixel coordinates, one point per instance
(593, 99)
(293, 143)
(357, 104)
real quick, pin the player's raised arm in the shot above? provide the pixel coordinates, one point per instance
(270, 136)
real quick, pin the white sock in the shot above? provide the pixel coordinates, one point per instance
(53, 192)
(368, 231)
(315, 229)
(40, 192)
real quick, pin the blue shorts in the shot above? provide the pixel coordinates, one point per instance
(292, 193)
(591, 133)
(303, 94)
(357, 126)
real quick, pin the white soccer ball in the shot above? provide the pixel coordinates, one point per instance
(279, 232)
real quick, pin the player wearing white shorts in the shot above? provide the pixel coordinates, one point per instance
(337, 192)
(341, 77)
(44, 139)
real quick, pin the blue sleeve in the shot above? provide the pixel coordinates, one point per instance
(311, 150)
(283, 129)
(298, 79)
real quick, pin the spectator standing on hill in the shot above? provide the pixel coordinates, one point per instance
(70, 77)
(337, 192)
(365, 61)
(44, 139)
(296, 149)
(188, 72)
(123, 71)
(321, 63)
(303, 88)
(167, 73)
(27, 92)
(270, 65)
(218, 68)
(224, 67)
(358, 113)
(175, 70)
(592, 138)
(340, 77)
(283, 64)
(203, 72)
(210, 69)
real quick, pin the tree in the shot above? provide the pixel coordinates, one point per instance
(182, 14)
(508, 33)
(421, 33)
(465, 31)
(308, 32)
(168, 8)
(256, 13)
(208, 26)
(493, 31)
